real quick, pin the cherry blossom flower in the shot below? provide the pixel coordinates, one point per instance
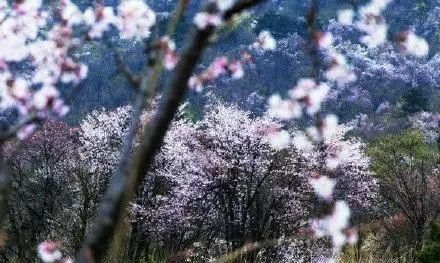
(414, 45)
(73, 72)
(323, 186)
(26, 7)
(203, 19)
(265, 41)
(341, 74)
(346, 16)
(170, 60)
(48, 252)
(339, 71)
(236, 70)
(168, 47)
(377, 35)
(15, 93)
(339, 219)
(323, 39)
(372, 23)
(352, 236)
(302, 142)
(218, 67)
(44, 96)
(48, 97)
(278, 139)
(334, 225)
(71, 13)
(224, 5)
(328, 126)
(283, 109)
(195, 84)
(99, 20)
(302, 88)
(136, 19)
(336, 156)
(309, 93)
(374, 7)
(316, 97)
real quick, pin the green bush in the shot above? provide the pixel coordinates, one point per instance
(430, 252)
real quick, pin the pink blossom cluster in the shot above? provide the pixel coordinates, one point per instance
(336, 226)
(170, 56)
(136, 19)
(220, 66)
(412, 44)
(133, 18)
(204, 20)
(24, 38)
(348, 156)
(372, 23)
(48, 252)
(338, 69)
(19, 36)
(308, 96)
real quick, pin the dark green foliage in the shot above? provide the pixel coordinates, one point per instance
(413, 101)
(391, 150)
(406, 166)
(430, 252)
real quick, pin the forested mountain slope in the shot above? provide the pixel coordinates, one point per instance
(385, 76)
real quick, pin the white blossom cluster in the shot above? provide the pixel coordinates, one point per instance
(429, 124)
(265, 41)
(371, 22)
(101, 137)
(32, 35)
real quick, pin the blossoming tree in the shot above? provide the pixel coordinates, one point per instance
(219, 180)
(41, 38)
